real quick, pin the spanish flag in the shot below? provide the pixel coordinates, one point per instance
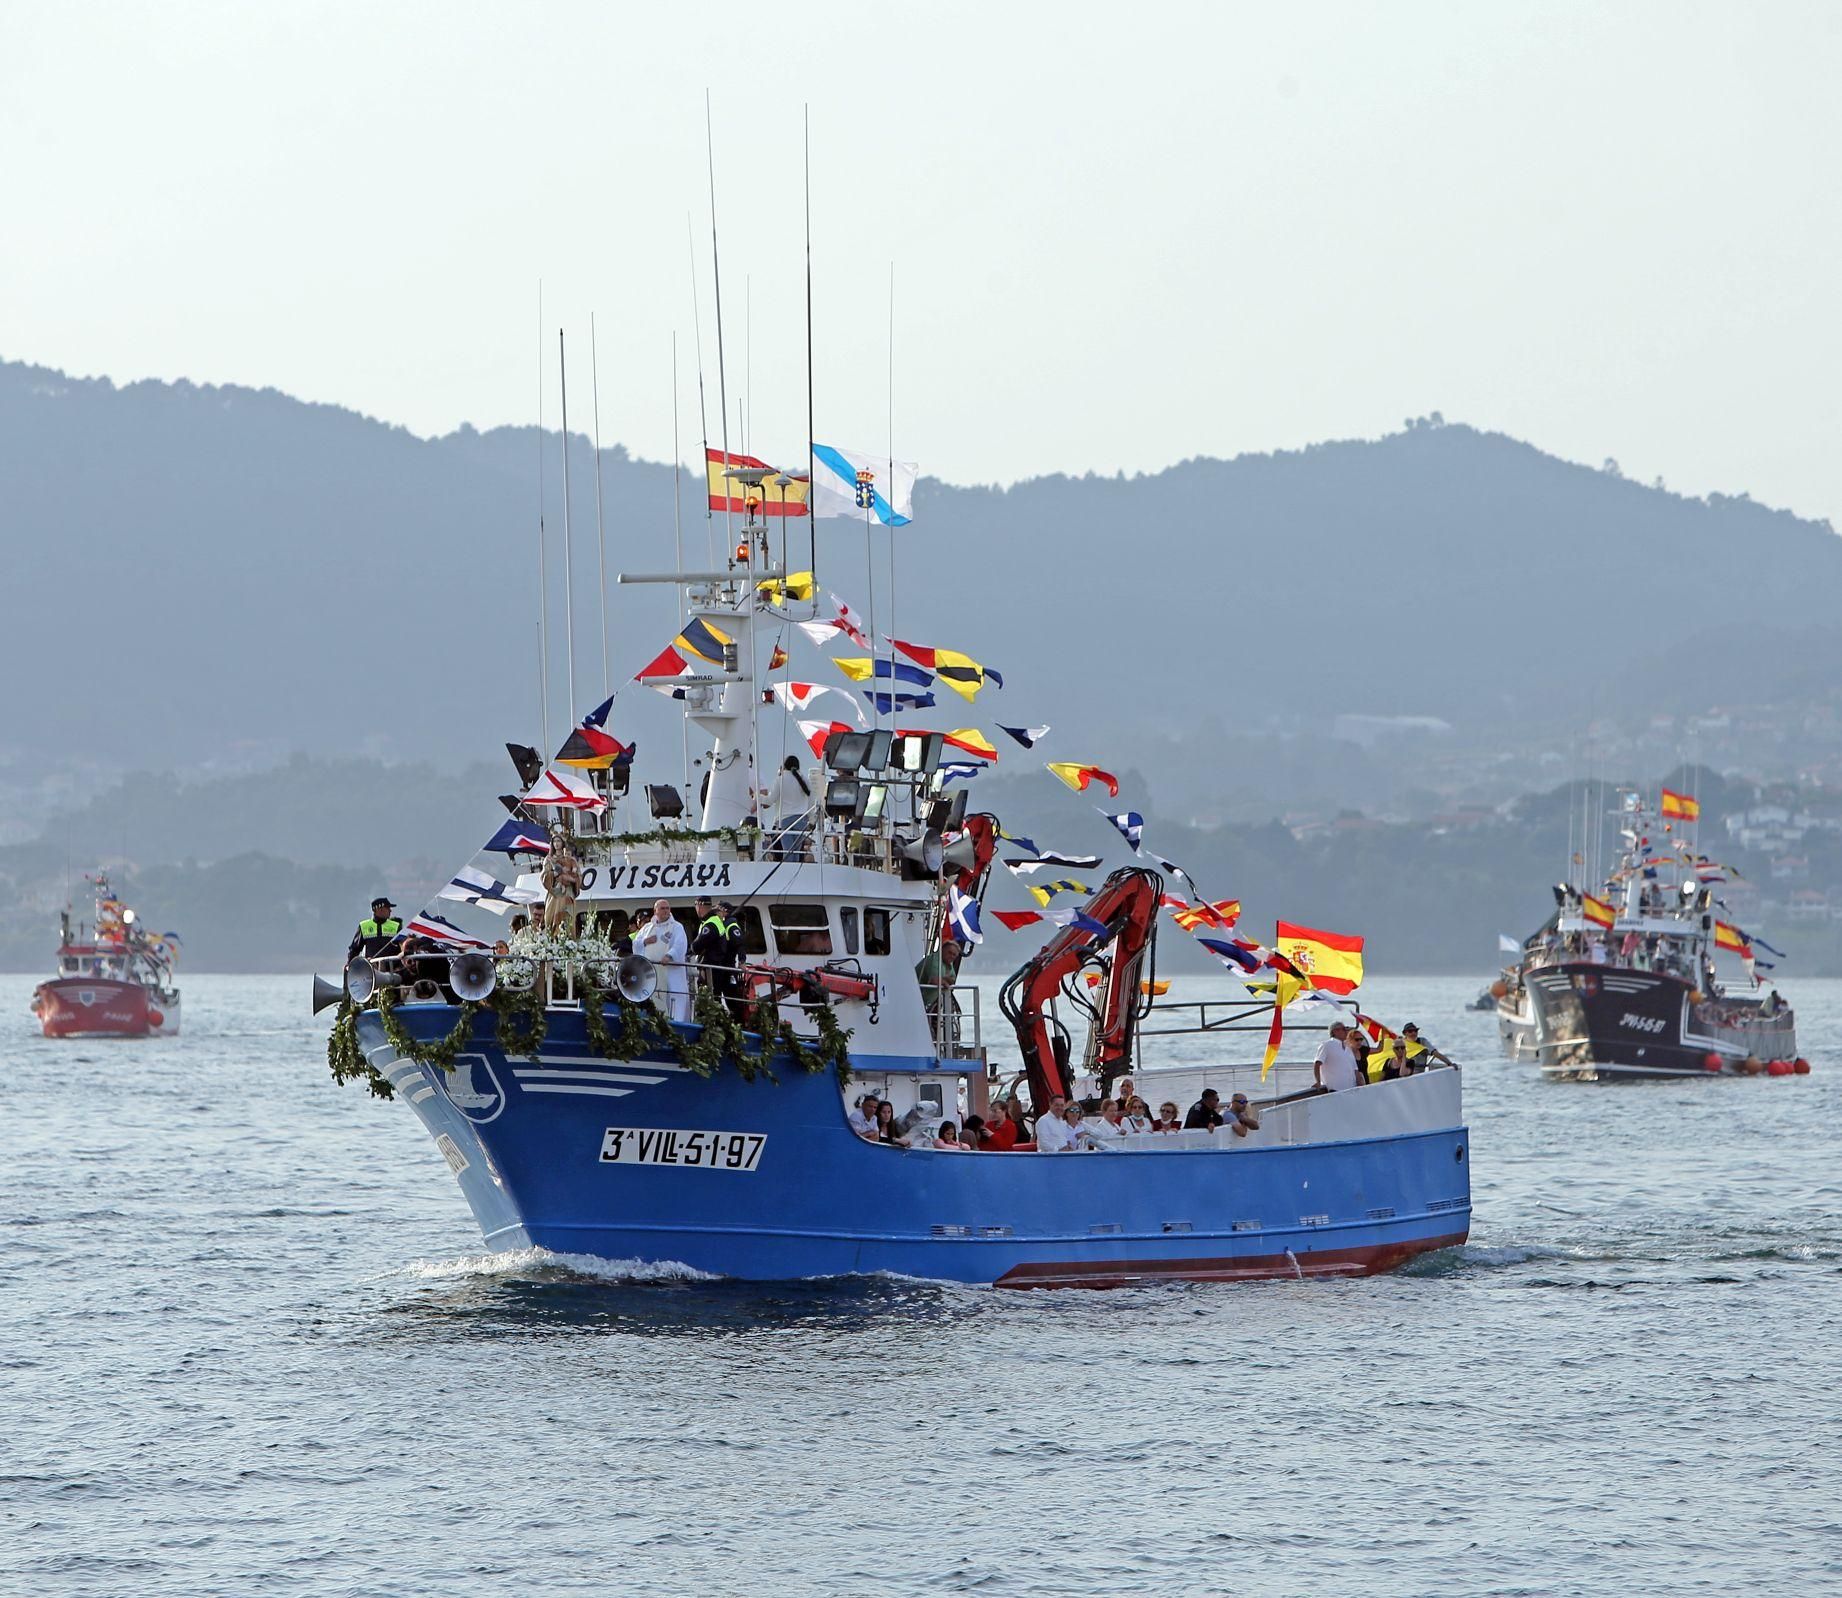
(774, 493)
(1732, 939)
(1381, 1041)
(1078, 776)
(1597, 911)
(1680, 807)
(1328, 960)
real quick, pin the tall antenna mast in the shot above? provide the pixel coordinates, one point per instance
(812, 530)
(716, 275)
(890, 479)
(703, 411)
(684, 723)
(569, 580)
(601, 533)
(543, 548)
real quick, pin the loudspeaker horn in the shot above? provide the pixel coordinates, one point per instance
(360, 979)
(921, 856)
(961, 854)
(637, 978)
(472, 976)
(325, 993)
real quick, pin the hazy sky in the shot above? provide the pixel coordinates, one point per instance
(1121, 235)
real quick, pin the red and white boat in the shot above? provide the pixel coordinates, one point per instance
(115, 978)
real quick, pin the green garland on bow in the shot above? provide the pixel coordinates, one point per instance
(522, 1021)
(438, 1052)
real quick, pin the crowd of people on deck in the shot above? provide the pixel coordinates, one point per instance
(1067, 1126)
(1347, 1058)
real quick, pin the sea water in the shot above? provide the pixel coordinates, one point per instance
(250, 1343)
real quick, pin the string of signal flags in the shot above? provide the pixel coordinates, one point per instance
(1302, 961)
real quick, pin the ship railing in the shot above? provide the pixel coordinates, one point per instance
(958, 1022)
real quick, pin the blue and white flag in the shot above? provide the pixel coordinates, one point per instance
(888, 704)
(1170, 868)
(963, 916)
(1082, 921)
(517, 837)
(1129, 824)
(473, 886)
(1027, 736)
(847, 482)
(964, 770)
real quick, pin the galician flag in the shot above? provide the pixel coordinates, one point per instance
(847, 482)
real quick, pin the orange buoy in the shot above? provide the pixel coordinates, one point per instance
(1710, 1061)
(1801, 1066)
(1752, 1065)
(1498, 988)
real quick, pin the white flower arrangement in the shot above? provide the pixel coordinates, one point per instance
(531, 946)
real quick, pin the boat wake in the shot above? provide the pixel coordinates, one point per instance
(542, 1265)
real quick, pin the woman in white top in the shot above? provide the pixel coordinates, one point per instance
(663, 942)
(1135, 1119)
(789, 795)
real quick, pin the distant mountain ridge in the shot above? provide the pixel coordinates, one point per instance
(207, 563)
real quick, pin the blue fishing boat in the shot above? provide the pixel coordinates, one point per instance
(697, 1111)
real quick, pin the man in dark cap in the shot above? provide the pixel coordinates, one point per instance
(376, 932)
(1411, 1032)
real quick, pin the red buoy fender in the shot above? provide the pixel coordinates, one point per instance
(1710, 1061)
(1801, 1066)
(155, 1019)
(1779, 1068)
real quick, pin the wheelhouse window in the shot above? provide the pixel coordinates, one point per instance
(800, 928)
(847, 922)
(876, 931)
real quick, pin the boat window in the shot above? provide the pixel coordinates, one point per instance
(801, 928)
(847, 919)
(875, 931)
(754, 935)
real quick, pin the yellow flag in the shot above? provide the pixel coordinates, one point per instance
(795, 585)
(1286, 988)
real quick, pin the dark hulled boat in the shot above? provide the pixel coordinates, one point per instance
(1627, 987)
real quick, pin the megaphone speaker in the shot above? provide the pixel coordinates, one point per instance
(921, 856)
(360, 979)
(638, 979)
(325, 993)
(962, 854)
(472, 976)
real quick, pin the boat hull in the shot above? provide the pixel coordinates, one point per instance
(578, 1155)
(101, 1007)
(1606, 1023)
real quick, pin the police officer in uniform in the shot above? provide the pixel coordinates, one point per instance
(717, 948)
(376, 932)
